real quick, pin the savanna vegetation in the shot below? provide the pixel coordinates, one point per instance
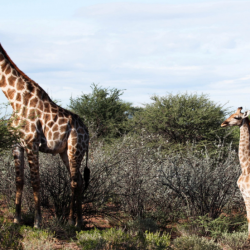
(163, 176)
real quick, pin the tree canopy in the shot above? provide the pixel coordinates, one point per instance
(103, 111)
(183, 118)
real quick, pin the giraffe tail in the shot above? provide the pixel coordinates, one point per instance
(86, 171)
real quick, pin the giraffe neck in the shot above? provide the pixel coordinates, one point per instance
(244, 146)
(20, 90)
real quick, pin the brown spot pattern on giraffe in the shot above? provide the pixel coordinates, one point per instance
(19, 84)
(50, 135)
(50, 124)
(55, 127)
(4, 65)
(40, 105)
(33, 127)
(8, 70)
(11, 93)
(47, 117)
(39, 93)
(28, 138)
(18, 107)
(1, 57)
(12, 105)
(46, 107)
(62, 120)
(18, 97)
(38, 113)
(14, 72)
(56, 135)
(54, 110)
(25, 99)
(32, 115)
(63, 128)
(31, 87)
(55, 118)
(33, 102)
(3, 82)
(12, 81)
(24, 111)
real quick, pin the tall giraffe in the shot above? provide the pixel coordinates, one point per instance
(44, 127)
(242, 120)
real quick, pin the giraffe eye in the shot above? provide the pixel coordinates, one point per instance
(237, 117)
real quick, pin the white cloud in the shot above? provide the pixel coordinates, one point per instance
(144, 48)
(137, 12)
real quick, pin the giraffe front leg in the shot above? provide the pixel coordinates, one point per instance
(246, 196)
(18, 153)
(35, 182)
(247, 203)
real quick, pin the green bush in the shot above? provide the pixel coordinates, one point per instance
(140, 224)
(157, 241)
(36, 239)
(235, 240)
(104, 113)
(9, 135)
(178, 119)
(96, 239)
(194, 242)
(215, 228)
(10, 236)
(118, 239)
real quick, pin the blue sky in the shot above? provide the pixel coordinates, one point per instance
(142, 46)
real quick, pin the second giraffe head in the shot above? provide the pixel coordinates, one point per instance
(236, 119)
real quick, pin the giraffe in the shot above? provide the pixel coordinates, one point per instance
(242, 120)
(45, 127)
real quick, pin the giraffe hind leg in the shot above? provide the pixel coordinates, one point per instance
(76, 183)
(65, 159)
(18, 153)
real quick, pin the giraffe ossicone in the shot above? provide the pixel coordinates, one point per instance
(242, 120)
(45, 127)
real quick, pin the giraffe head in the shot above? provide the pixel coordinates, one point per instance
(236, 118)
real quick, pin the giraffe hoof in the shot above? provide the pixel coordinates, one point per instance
(36, 225)
(78, 224)
(17, 220)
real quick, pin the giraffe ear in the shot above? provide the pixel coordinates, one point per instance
(246, 114)
(239, 110)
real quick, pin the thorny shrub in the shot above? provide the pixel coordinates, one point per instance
(203, 184)
(130, 177)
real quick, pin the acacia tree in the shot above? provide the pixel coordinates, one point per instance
(103, 111)
(183, 118)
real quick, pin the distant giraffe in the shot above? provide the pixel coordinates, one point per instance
(241, 120)
(45, 127)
